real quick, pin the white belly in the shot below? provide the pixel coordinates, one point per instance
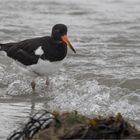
(44, 67)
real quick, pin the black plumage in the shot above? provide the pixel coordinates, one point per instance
(54, 47)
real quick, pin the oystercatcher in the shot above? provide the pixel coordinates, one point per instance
(40, 55)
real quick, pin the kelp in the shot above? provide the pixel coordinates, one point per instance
(72, 125)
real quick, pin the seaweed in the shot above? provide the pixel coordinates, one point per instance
(45, 125)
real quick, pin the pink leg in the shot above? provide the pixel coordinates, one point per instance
(47, 81)
(33, 85)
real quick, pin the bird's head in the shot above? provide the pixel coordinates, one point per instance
(59, 33)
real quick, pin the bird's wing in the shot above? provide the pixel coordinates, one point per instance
(24, 51)
(26, 58)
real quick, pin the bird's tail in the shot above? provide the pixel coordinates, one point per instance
(4, 47)
(1, 46)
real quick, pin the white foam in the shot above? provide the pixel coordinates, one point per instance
(18, 87)
(126, 106)
(86, 97)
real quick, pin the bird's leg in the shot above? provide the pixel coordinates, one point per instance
(47, 81)
(33, 85)
(32, 104)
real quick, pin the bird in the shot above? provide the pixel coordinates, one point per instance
(40, 55)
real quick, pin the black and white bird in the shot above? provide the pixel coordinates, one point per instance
(43, 54)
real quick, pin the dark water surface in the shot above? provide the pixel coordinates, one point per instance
(102, 78)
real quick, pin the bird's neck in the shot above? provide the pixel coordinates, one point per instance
(58, 45)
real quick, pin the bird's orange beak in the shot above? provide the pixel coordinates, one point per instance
(65, 39)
